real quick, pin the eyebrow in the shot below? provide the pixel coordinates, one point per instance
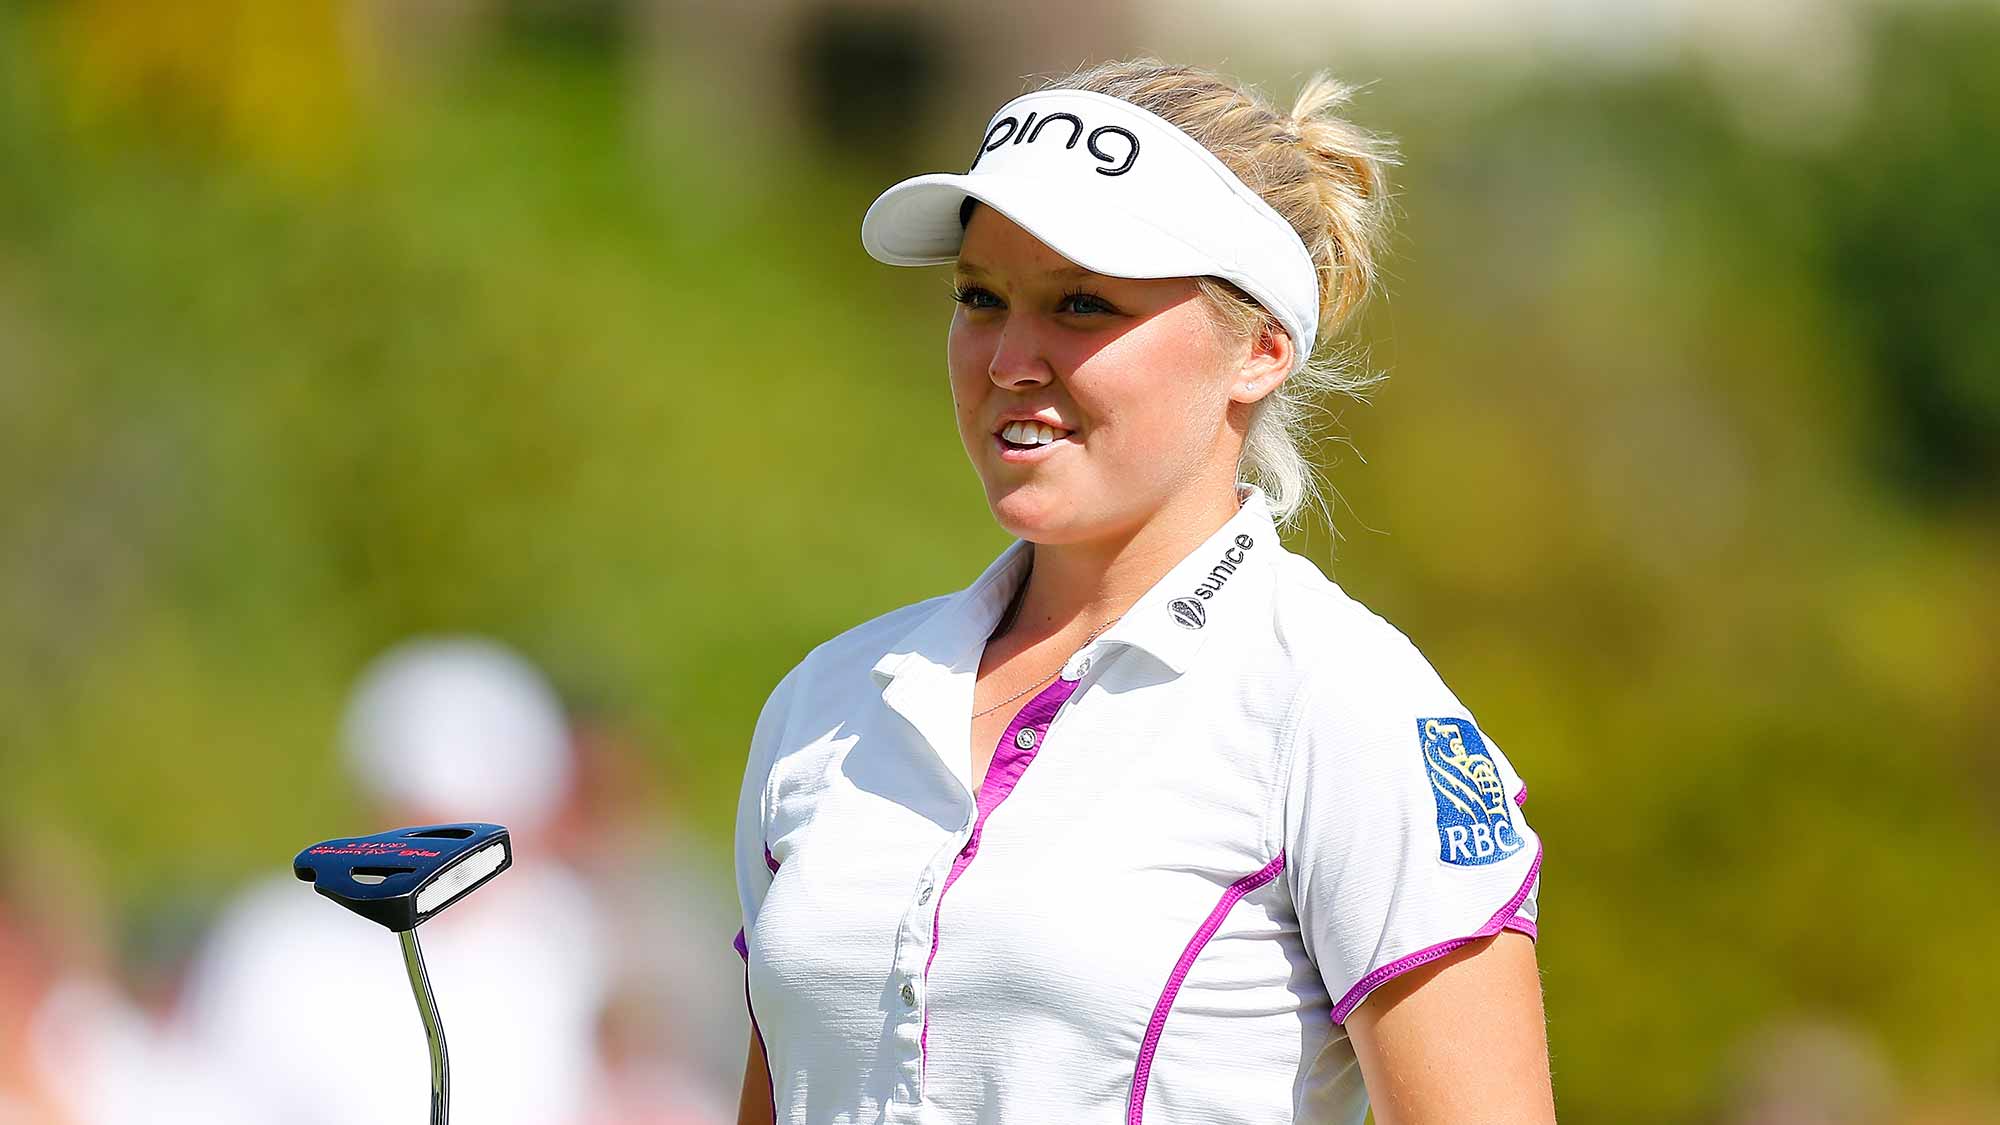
(974, 269)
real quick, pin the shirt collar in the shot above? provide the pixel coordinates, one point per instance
(1171, 621)
(1207, 591)
(959, 628)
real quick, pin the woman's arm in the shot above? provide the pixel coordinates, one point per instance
(1459, 1041)
(755, 1108)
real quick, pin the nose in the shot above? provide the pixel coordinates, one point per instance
(1019, 360)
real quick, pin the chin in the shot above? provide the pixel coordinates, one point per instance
(1027, 511)
(1038, 513)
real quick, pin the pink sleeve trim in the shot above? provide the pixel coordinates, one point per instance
(1504, 918)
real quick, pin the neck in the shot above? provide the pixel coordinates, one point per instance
(1084, 584)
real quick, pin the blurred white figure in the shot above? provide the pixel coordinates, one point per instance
(308, 1005)
(77, 1046)
(106, 1063)
(460, 730)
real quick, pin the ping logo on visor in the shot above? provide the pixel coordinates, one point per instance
(1475, 820)
(1118, 191)
(1030, 130)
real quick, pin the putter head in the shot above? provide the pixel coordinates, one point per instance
(404, 877)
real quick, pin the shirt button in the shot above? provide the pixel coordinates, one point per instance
(925, 897)
(909, 994)
(1026, 739)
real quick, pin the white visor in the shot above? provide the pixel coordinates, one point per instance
(1115, 189)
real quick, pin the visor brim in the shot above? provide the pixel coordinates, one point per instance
(916, 223)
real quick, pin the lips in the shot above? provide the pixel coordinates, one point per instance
(1025, 454)
(1028, 433)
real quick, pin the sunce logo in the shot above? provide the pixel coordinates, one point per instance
(1115, 161)
(1220, 572)
(1189, 612)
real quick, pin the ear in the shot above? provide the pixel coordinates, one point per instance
(1266, 365)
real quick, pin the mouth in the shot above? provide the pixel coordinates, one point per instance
(1030, 441)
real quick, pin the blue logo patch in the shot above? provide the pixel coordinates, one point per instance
(1475, 818)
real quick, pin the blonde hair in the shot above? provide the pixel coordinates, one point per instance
(1326, 177)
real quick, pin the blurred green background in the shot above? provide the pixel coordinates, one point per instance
(326, 324)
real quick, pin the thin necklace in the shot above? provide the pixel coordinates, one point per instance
(1007, 622)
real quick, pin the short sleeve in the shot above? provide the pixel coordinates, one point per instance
(1404, 833)
(754, 865)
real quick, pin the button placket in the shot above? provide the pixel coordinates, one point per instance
(1047, 707)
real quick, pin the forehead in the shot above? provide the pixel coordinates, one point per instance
(995, 243)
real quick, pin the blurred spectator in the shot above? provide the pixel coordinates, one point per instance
(75, 1048)
(308, 1005)
(106, 1061)
(672, 1034)
(27, 973)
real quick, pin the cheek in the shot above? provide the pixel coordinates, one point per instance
(968, 349)
(1154, 423)
(1163, 391)
(968, 357)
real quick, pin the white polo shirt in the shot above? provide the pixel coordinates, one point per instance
(1232, 815)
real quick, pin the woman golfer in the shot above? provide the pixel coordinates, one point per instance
(1151, 822)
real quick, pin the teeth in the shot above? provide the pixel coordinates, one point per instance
(1029, 433)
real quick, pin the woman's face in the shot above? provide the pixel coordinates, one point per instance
(1131, 375)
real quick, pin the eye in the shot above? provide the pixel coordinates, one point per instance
(973, 297)
(1084, 302)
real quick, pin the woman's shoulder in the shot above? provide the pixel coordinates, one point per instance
(1349, 657)
(1374, 720)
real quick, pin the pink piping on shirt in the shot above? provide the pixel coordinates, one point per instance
(1504, 918)
(1136, 1108)
(1010, 761)
(742, 947)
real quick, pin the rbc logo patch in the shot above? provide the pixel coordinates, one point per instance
(1475, 819)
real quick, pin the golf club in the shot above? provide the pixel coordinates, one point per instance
(401, 879)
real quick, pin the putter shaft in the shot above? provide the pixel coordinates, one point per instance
(420, 984)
